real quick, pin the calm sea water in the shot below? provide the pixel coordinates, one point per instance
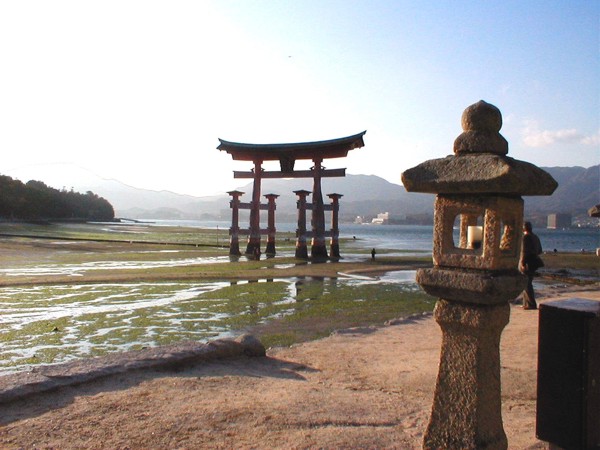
(420, 237)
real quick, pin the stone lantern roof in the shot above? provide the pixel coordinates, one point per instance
(480, 164)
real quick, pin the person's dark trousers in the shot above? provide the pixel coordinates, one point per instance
(529, 295)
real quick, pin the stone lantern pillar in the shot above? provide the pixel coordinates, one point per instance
(335, 229)
(234, 231)
(301, 249)
(478, 191)
(270, 250)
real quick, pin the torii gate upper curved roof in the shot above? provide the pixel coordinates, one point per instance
(333, 148)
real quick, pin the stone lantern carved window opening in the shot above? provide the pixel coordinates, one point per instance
(467, 226)
(498, 221)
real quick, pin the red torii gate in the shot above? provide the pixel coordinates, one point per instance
(287, 154)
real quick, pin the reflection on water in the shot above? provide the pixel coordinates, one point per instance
(57, 323)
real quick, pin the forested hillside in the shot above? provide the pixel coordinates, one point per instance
(34, 201)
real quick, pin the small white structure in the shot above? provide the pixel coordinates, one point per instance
(381, 218)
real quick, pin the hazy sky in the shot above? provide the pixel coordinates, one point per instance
(141, 91)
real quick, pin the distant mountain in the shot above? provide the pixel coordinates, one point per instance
(124, 197)
(368, 195)
(578, 190)
(363, 195)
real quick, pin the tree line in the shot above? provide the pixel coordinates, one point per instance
(36, 201)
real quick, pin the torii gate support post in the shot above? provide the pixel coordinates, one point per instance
(301, 249)
(335, 231)
(318, 248)
(270, 250)
(234, 231)
(253, 246)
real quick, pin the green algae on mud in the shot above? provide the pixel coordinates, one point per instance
(53, 325)
(347, 306)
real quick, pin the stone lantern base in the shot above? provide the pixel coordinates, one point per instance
(466, 410)
(484, 288)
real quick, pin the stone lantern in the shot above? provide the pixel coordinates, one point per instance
(475, 273)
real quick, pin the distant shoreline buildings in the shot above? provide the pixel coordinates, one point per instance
(554, 221)
(381, 219)
(559, 221)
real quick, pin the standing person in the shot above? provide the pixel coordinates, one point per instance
(373, 254)
(530, 262)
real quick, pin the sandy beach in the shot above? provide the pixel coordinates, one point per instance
(359, 388)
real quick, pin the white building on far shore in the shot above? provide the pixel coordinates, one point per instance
(381, 219)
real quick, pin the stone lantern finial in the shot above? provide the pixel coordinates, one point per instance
(480, 164)
(481, 123)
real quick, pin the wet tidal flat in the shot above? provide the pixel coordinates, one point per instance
(66, 299)
(55, 323)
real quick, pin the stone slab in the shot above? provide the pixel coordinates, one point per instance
(46, 378)
(485, 288)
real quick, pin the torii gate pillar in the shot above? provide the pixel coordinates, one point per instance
(301, 250)
(318, 248)
(270, 250)
(335, 230)
(253, 246)
(234, 231)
